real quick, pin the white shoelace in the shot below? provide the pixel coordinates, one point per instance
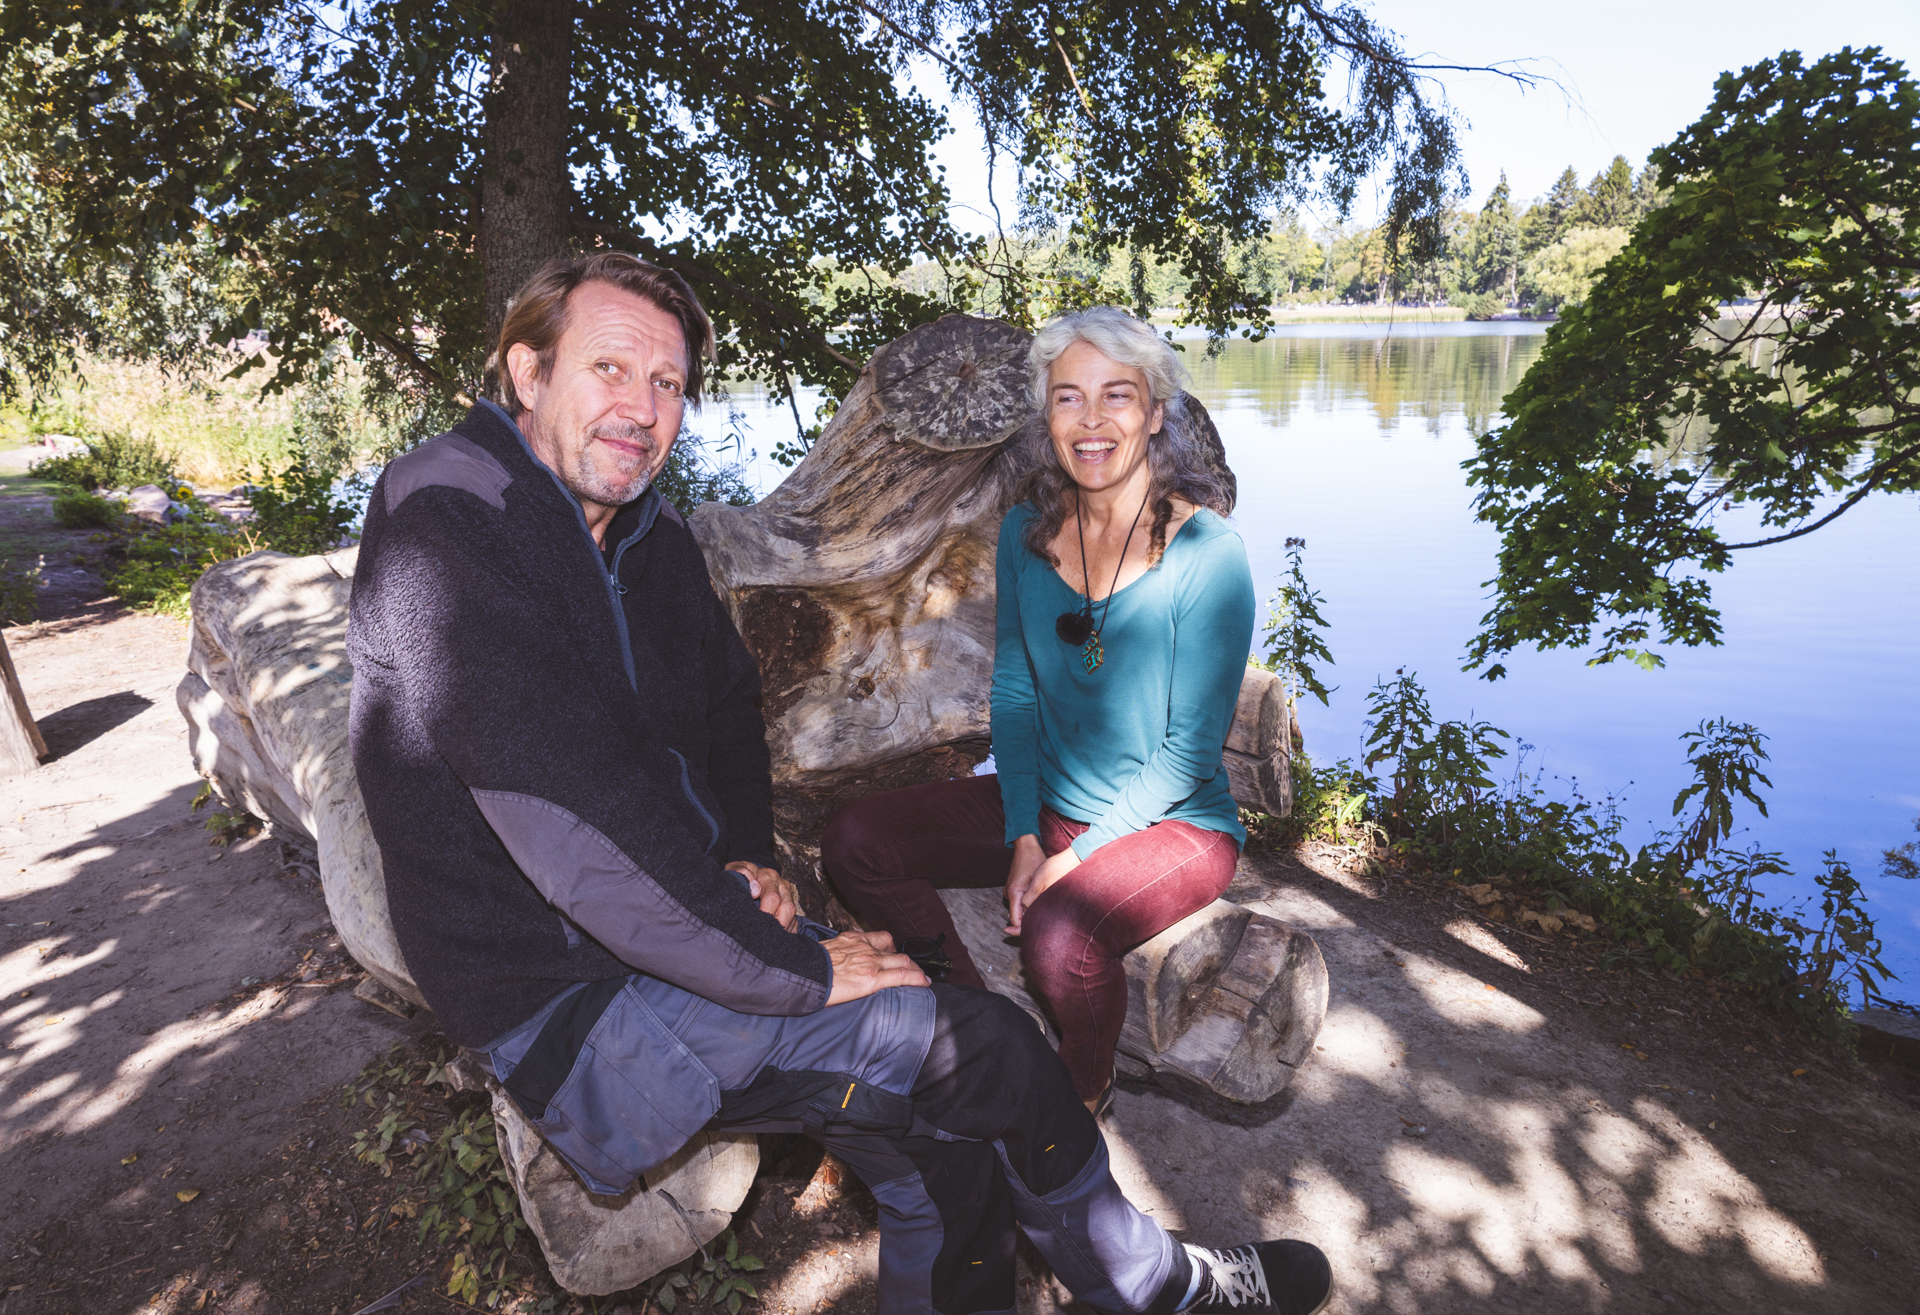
(1236, 1275)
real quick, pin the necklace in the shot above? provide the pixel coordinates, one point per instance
(1077, 628)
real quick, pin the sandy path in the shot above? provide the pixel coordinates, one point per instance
(127, 939)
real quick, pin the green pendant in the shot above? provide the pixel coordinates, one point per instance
(1093, 655)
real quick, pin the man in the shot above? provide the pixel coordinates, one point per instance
(556, 730)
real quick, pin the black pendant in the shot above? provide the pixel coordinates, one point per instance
(1074, 628)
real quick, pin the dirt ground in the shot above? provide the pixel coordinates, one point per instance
(1489, 1122)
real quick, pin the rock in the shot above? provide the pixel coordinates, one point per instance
(150, 503)
(600, 1244)
(1226, 998)
(1889, 1034)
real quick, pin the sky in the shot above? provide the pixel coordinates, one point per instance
(1634, 75)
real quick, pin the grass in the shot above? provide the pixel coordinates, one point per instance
(214, 431)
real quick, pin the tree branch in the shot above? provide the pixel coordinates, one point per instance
(695, 270)
(1880, 472)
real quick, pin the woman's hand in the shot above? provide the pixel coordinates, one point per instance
(1030, 876)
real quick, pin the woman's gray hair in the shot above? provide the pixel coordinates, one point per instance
(1177, 453)
(1116, 335)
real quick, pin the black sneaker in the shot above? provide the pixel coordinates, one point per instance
(1286, 1277)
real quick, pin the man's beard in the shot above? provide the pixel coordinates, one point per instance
(617, 479)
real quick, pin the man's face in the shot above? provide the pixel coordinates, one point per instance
(607, 416)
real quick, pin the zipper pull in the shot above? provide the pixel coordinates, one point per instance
(618, 588)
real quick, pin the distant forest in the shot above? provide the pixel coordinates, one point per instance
(1535, 256)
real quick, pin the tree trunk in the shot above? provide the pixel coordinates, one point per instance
(525, 194)
(21, 747)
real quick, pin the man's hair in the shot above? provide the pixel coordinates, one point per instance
(539, 313)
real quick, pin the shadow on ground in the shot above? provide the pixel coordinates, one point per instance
(81, 723)
(1491, 1128)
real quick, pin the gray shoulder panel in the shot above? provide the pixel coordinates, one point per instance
(448, 461)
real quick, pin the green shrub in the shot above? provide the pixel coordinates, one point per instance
(153, 567)
(111, 461)
(295, 511)
(1684, 902)
(1479, 306)
(77, 509)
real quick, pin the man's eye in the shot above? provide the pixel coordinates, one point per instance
(668, 386)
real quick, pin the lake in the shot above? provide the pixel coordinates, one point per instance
(1351, 437)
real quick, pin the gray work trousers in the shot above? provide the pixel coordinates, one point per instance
(947, 1102)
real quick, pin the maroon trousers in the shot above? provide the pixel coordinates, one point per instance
(887, 854)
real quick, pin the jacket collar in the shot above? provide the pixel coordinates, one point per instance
(489, 424)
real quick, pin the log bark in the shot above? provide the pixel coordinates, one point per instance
(1226, 998)
(21, 746)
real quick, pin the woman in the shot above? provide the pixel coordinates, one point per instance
(1125, 613)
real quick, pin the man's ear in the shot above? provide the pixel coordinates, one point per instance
(523, 367)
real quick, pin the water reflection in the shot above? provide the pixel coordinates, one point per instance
(1430, 379)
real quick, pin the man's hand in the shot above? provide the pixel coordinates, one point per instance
(864, 962)
(1032, 872)
(775, 893)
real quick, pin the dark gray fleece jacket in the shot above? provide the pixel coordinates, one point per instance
(559, 747)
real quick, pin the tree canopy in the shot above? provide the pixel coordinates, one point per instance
(1754, 345)
(389, 171)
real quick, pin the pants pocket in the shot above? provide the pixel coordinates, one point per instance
(634, 1096)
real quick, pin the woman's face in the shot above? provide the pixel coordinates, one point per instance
(1099, 413)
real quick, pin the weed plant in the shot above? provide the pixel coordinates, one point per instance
(19, 594)
(1686, 901)
(78, 509)
(713, 1274)
(464, 1193)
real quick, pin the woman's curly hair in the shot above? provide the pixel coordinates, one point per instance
(1177, 459)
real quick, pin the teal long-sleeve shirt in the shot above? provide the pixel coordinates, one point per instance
(1137, 741)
